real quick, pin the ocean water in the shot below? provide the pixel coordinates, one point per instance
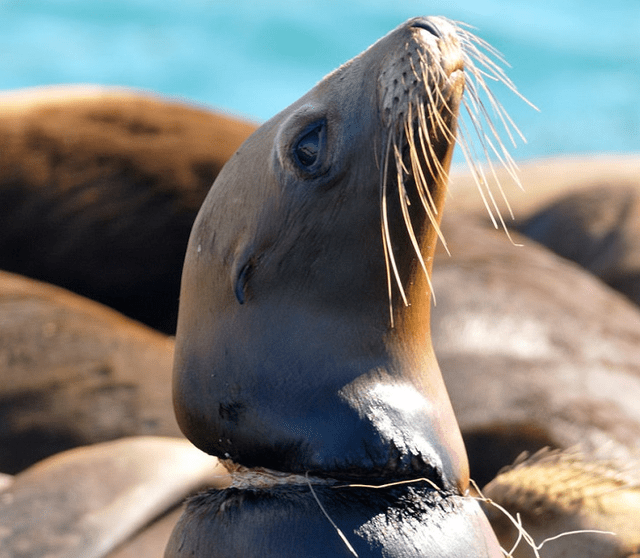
(578, 61)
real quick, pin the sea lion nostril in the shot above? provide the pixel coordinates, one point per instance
(427, 26)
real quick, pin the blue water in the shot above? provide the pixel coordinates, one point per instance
(577, 60)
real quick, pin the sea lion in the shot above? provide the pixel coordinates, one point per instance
(84, 502)
(597, 227)
(99, 187)
(74, 372)
(534, 351)
(303, 343)
(594, 503)
(542, 181)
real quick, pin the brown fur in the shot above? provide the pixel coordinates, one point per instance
(99, 188)
(73, 372)
(96, 497)
(598, 228)
(562, 492)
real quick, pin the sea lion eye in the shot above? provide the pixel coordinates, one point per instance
(306, 150)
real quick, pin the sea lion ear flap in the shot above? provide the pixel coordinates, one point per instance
(242, 280)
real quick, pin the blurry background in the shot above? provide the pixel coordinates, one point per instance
(577, 60)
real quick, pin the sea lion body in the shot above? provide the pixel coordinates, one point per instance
(598, 228)
(84, 502)
(288, 356)
(74, 372)
(534, 351)
(286, 522)
(99, 187)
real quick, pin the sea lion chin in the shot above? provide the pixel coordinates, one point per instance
(303, 343)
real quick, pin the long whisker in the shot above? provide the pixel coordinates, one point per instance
(389, 258)
(483, 62)
(428, 118)
(404, 203)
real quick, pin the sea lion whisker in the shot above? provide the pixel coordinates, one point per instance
(480, 65)
(428, 77)
(407, 219)
(493, 70)
(480, 109)
(423, 134)
(419, 77)
(476, 170)
(474, 88)
(399, 162)
(391, 484)
(384, 227)
(389, 256)
(517, 523)
(422, 184)
(480, 179)
(507, 122)
(442, 173)
(425, 194)
(423, 120)
(475, 108)
(340, 533)
(484, 141)
(471, 40)
(507, 165)
(440, 77)
(476, 82)
(435, 107)
(475, 47)
(437, 120)
(577, 532)
(522, 532)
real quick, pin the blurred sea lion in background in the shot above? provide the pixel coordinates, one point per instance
(595, 503)
(538, 353)
(99, 187)
(598, 228)
(534, 351)
(584, 208)
(74, 372)
(84, 502)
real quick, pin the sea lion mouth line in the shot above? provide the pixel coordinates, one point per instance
(256, 478)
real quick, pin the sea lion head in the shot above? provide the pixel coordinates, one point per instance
(303, 341)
